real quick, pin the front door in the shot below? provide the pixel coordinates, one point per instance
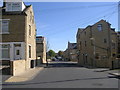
(17, 53)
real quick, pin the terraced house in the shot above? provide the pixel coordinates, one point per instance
(70, 54)
(97, 45)
(18, 36)
(40, 50)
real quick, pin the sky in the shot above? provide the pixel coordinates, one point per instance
(58, 22)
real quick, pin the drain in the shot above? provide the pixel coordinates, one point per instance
(97, 84)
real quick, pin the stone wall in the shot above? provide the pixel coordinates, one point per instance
(17, 67)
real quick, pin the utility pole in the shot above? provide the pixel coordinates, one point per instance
(47, 49)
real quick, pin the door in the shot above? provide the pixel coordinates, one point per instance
(17, 53)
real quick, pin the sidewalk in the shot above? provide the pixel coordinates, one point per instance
(28, 75)
(115, 73)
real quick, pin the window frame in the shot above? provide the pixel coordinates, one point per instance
(5, 48)
(30, 51)
(99, 27)
(1, 24)
(30, 31)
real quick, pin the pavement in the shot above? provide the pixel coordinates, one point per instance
(28, 75)
(112, 73)
(115, 73)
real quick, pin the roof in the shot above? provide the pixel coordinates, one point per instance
(72, 45)
(82, 29)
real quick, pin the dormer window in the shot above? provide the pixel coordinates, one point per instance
(99, 27)
(14, 6)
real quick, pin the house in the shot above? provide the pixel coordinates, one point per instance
(118, 40)
(70, 54)
(18, 36)
(97, 45)
(40, 50)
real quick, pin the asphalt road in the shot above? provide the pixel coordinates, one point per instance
(67, 75)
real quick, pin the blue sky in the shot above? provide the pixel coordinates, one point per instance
(59, 21)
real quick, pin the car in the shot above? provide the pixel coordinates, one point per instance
(54, 59)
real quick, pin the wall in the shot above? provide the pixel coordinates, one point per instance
(16, 28)
(17, 67)
(96, 44)
(30, 40)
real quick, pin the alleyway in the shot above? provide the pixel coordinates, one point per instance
(67, 75)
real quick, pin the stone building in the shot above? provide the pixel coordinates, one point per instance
(18, 32)
(118, 50)
(97, 45)
(40, 50)
(70, 54)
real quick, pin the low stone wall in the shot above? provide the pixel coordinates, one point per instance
(102, 63)
(17, 67)
(116, 64)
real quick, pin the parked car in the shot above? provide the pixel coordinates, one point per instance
(60, 58)
(53, 59)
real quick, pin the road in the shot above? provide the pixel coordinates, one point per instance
(67, 75)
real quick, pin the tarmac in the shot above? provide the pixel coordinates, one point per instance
(28, 75)
(32, 73)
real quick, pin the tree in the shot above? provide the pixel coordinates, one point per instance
(60, 53)
(51, 53)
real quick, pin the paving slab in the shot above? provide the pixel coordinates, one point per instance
(28, 75)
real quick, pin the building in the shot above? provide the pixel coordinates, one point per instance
(40, 50)
(97, 45)
(70, 54)
(18, 36)
(118, 50)
(65, 55)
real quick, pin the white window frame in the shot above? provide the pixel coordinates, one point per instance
(99, 27)
(1, 26)
(1, 48)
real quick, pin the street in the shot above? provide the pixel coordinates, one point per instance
(67, 75)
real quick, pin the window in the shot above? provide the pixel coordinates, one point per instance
(85, 32)
(29, 30)
(99, 27)
(32, 19)
(113, 45)
(5, 26)
(97, 55)
(5, 51)
(31, 16)
(85, 44)
(18, 52)
(105, 41)
(29, 51)
(80, 42)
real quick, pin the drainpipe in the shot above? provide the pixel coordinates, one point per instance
(109, 47)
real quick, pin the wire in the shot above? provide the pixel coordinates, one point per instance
(86, 22)
(80, 7)
(78, 20)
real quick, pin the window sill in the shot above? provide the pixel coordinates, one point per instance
(5, 33)
(5, 59)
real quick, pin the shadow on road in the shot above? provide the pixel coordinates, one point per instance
(62, 64)
(58, 81)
